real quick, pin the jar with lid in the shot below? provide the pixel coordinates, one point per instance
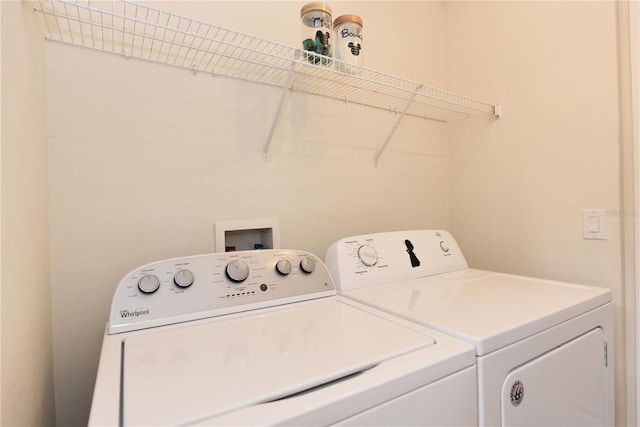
(349, 43)
(317, 30)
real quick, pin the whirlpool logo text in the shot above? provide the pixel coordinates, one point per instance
(133, 313)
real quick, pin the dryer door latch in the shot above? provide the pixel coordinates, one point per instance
(517, 393)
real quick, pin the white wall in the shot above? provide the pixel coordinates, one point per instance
(27, 359)
(0, 214)
(144, 158)
(518, 187)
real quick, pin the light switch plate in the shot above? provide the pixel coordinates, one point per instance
(594, 222)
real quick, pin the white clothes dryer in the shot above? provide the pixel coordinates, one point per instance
(262, 338)
(543, 348)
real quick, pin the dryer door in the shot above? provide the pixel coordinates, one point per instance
(566, 386)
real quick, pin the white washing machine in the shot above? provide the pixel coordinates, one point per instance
(543, 348)
(262, 338)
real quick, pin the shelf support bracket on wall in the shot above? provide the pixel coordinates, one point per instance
(497, 110)
(397, 123)
(283, 96)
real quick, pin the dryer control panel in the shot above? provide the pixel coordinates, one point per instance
(196, 287)
(373, 259)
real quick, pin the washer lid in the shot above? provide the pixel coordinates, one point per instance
(489, 310)
(185, 374)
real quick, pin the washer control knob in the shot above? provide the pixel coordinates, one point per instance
(237, 270)
(149, 283)
(308, 265)
(183, 278)
(368, 256)
(283, 267)
(444, 246)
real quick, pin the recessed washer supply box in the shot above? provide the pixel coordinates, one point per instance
(247, 234)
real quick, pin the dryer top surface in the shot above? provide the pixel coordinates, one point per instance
(490, 310)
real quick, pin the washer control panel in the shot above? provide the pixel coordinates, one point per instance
(196, 287)
(373, 259)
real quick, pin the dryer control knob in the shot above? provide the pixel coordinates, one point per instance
(283, 267)
(237, 270)
(307, 265)
(368, 256)
(183, 278)
(149, 283)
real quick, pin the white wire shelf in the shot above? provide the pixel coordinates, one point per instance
(139, 31)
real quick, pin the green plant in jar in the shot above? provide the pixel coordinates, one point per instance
(317, 27)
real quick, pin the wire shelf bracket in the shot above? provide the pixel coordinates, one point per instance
(395, 125)
(276, 118)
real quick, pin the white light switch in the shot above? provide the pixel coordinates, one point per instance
(594, 224)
